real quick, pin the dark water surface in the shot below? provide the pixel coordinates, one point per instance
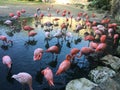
(21, 53)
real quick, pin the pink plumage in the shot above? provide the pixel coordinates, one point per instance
(7, 61)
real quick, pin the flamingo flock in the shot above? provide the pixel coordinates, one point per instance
(97, 35)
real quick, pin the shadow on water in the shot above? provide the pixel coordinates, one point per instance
(5, 47)
(53, 63)
(39, 77)
(9, 76)
(30, 42)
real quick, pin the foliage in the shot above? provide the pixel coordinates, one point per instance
(100, 4)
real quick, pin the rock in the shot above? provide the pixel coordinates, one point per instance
(101, 74)
(112, 61)
(80, 84)
(109, 84)
(118, 51)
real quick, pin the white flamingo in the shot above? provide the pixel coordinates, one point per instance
(24, 78)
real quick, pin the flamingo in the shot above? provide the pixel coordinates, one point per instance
(38, 54)
(85, 51)
(74, 51)
(103, 38)
(24, 78)
(58, 34)
(4, 39)
(53, 50)
(65, 65)
(89, 38)
(93, 45)
(32, 33)
(110, 32)
(15, 17)
(18, 13)
(7, 61)
(57, 11)
(48, 74)
(11, 14)
(47, 34)
(8, 22)
(27, 28)
(78, 28)
(69, 35)
(23, 11)
(116, 38)
(38, 11)
(101, 47)
(77, 19)
(63, 25)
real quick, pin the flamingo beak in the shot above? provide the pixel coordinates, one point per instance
(9, 65)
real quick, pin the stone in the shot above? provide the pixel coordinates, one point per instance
(112, 61)
(101, 74)
(80, 84)
(109, 84)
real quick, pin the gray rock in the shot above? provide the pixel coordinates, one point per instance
(80, 84)
(101, 74)
(118, 51)
(112, 61)
(109, 84)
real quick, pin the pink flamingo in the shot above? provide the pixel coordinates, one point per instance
(63, 25)
(23, 11)
(18, 13)
(78, 28)
(7, 61)
(89, 38)
(103, 38)
(11, 14)
(74, 51)
(57, 11)
(110, 32)
(38, 54)
(48, 74)
(101, 47)
(4, 39)
(93, 45)
(116, 38)
(53, 50)
(24, 78)
(85, 51)
(32, 33)
(65, 65)
(27, 28)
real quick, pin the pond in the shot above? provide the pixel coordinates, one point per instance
(22, 51)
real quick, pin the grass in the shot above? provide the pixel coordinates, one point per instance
(15, 2)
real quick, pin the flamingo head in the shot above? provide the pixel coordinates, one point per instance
(37, 56)
(68, 57)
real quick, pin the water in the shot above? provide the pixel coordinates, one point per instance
(21, 53)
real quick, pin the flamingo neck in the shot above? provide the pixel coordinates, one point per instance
(30, 86)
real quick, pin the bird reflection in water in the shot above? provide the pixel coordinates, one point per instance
(30, 42)
(46, 40)
(68, 44)
(77, 40)
(9, 75)
(7, 46)
(39, 77)
(53, 63)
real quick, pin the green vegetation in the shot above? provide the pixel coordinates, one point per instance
(2, 2)
(100, 4)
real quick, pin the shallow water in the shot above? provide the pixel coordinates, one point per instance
(21, 53)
